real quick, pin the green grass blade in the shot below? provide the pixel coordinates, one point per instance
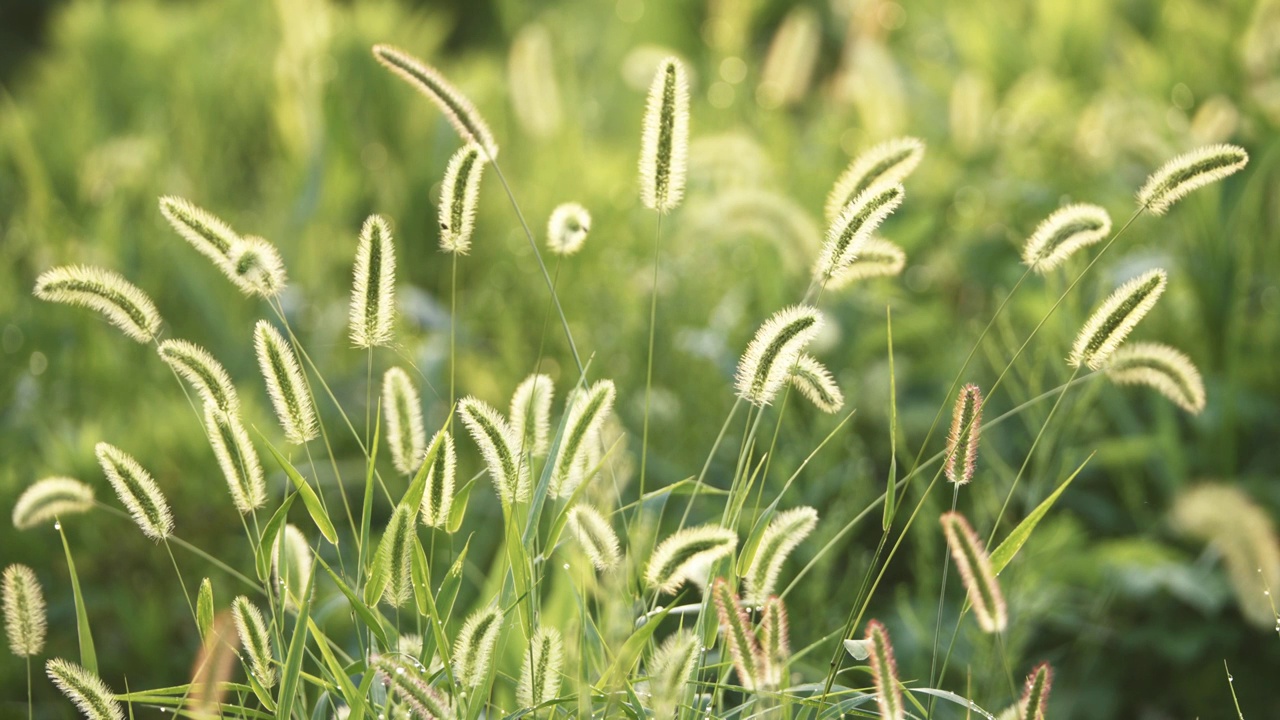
(262, 559)
(371, 618)
(293, 659)
(890, 495)
(354, 699)
(1001, 556)
(88, 658)
(366, 511)
(627, 657)
(309, 497)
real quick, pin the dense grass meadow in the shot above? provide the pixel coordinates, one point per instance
(1133, 531)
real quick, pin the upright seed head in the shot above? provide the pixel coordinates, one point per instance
(686, 551)
(206, 375)
(256, 268)
(670, 669)
(49, 499)
(775, 641)
(137, 490)
(1066, 231)
(124, 304)
(814, 381)
(888, 163)
(962, 442)
(473, 650)
(237, 458)
(1170, 372)
(24, 610)
(285, 384)
(1115, 318)
(373, 288)
(744, 647)
(90, 695)
(884, 672)
(406, 682)
(454, 105)
(567, 228)
(852, 229)
(582, 428)
(437, 496)
(540, 673)
(1035, 693)
(783, 534)
(774, 351)
(395, 555)
(531, 414)
(402, 409)
(255, 639)
(975, 571)
(877, 258)
(459, 196)
(1177, 178)
(664, 145)
(497, 444)
(292, 565)
(595, 535)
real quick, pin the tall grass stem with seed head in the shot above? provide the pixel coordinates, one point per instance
(437, 495)
(50, 498)
(459, 196)
(492, 434)
(373, 287)
(1035, 693)
(1115, 318)
(540, 673)
(595, 535)
(237, 459)
(286, 385)
(124, 304)
(966, 429)
(876, 258)
(744, 646)
(531, 414)
(888, 163)
(1187, 172)
(773, 352)
(473, 649)
(207, 233)
(775, 640)
(685, 551)
(137, 490)
(1167, 370)
(975, 571)
(814, 381)
(85, 689)
(402, 411)
(292, 565)
(24, 611)
(853, 227)
(455, 106)
(664, 144)
(586, 416)
(567, 228)
(784, 533)
(255, 640)
(203, 371)
(884, 672)
(1065, 232)
(256, 267)
(395, 554)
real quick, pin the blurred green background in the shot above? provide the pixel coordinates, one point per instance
(274, 116)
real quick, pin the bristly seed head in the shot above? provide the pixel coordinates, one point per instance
(774, 351)
(1115, 318)
(775, 643)
(237, 458)
(256, 268)
(394, 556)
(473, 650)
(24, 610)
(84, 688)
(567, 228)
(888, 163)
(688, 550)
(292, 578)
(373, 288)
(670, 669)
(492, 434)
(1035, 693)
(455, 106)
(137, 490)
(582, 429)
(884, 672)
(124, 304)
(962, 442)
(876, 258)
(285, 384)
(849, 233)
(402, 408)
(1177, 178)
(786, 531)
(664, 144)
(50, 498)
(1167, 370)
(531, 414)
(255, 640)
(815, 382)
(595, 535)
(1066, 231)
(206, 375)
(975, 571)
(540, 673)
(744, 646)
(437, 496)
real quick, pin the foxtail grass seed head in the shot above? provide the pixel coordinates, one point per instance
(237, 458)
(884, 672)
(962, 442)
(373, 288)
(492, 434)
(453, 105)
(744, 647)
(775, 640)
(531, 81)
(670, 669)
(49, 499)
(774, 351)
(85, 689)
(595, 535)
(1067, 230)
(252, 630)
(786, 531)
(291, 566)
(664, 145)
(582, 428)
(676, 559)
(124, 304)
(852, 228)
(205, 374)
(531, 414)
(1167, 370)
(888, 163)
(473, 650)
(1115, 318)
(459, 196)
(974, 566)
(395, 554)
(1177, 178)
(437, 496)
(24, 611)
(209, 235)
(137, 490)
(540, 674)
(567, 228)
(256, 268)
(285, 384)
(877, 258)
(814, 381)
(1035, 693)
(405, 681)
(402, 409)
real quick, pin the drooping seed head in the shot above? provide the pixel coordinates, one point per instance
(884, 672)
(815, 382)
(531, 414)
(373, 287)
(402, 411)
(773, 352)
(206, 375)
(124, 304)
(252, 630)
(1066, 231)
(531, 81)
(497, 443)
(473, 650)
(1035, 693)
(437, 495)
(406, 682)
(744, 647)
(459, 196)
(974, 566)
(540, 673)
(85, 689)
(877, 258)
(256, 268)
(286, 385)
(209, 235)
(664, 145)
(395, 555)
(50, 498)
(1115, 318)
(237, 459)
(24, 611)
(595, 535)
(962, 442)
(775, 642)
(586, 416)
(292, 565)
(137, 490)
(455, 106)
(1170, 372)
(1177, 178)
(786, 531)
(567, 228)
(853, 227)
(888, 163)
(687, 550)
